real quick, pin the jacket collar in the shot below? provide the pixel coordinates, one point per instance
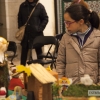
(86, 32)
(73, 41)
(95, 33)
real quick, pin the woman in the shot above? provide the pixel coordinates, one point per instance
(34, 27)
(78, 50)
(82, 2)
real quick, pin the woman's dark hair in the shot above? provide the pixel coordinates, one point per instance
(78, 12)
(36, 0)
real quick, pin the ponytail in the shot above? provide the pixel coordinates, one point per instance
(94, 19)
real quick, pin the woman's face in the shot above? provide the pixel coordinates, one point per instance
(30, 0)
(71, 25)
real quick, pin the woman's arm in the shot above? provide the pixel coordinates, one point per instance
(43, 18)
(19, 17)
(61, 58)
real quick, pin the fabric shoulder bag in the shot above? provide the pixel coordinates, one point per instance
(20, 33)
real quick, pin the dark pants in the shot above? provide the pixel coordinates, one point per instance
(24, 53)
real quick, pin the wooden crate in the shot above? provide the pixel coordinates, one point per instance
(41, 91)
(40, 82)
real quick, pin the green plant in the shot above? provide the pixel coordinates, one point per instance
(74, 90)
(79, 90)
(55, 89)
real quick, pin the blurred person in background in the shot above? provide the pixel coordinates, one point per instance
(34, 27)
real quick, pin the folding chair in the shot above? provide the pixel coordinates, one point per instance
(43, 55)
(13, 48)
(40, 41)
